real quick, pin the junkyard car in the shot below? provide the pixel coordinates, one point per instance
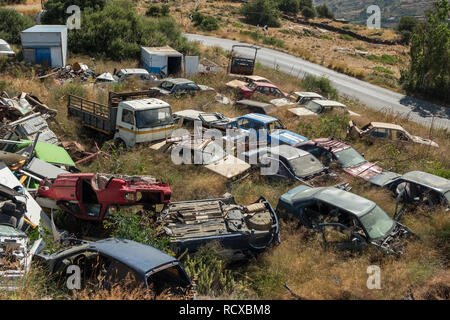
(418, 187)
(180, 86)
(209, 153)
(118, 261)
(269, 89)
(302, 98)
(241, 230)
(317, 107)
(380, 131)
(90, 196)
(351, 161)
(255, 106)
(273, 129)
(243, 81)
(346, 220)
(5, 49)
(208, 119)
(140, 75)
(286, 162)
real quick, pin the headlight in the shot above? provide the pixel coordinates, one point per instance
(129, 196)
(138, 196)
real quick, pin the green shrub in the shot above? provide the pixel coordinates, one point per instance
(324, 12)
(308, 13)
(289, 6)
(117, 32)
(262, 12)
(320, 85)
(204, 22)
(156, 11)
(11, 24)
(347, 37)
(406, 27)
(383, 69)
(385, 58)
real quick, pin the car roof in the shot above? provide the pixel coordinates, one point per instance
(386, 125)
(137, 256)
(134, 71)
(3, 42)
(265, 84)
(307, 94)
(339, 198)
(328, 103)
(427, 179)
(256, 78)
(179, 80)
(326, 143)
(259, 117)
(143, 104)
(288, 152)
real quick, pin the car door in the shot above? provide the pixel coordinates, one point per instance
(377, 134)
(127, 126)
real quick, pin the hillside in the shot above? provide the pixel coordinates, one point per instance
(391, 10)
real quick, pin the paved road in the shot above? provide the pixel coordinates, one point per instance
(373, 96)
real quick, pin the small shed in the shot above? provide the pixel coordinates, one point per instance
(162, 60)
(45, 44)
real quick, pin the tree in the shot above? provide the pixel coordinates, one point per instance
(289, 6)
(11, 24)
(262, 12)
(429, 70)
(324, 12)
(305, 3)
(406, 27)
(308, 12)
(55, 10)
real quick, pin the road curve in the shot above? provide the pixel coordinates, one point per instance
(373, 96)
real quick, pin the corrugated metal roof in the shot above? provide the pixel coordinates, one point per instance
(162, 50)
(46, 28)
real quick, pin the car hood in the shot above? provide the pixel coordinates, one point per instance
(366, 170)
(287, 137)
(163, 91)
(205, 88)
(424, 141)
(383, 179)
(229, 167)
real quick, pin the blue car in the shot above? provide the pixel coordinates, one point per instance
(274, 128)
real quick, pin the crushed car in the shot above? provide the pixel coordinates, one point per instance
(210, 120)
(329, 150)
(240, 229)
(381, 131)
(302, 98)
(291, 163)
(265, 88)
(180, 86)
(345, 220)
(316, 107)
(273, 129)
(91, 196)
(417, 187)
(243, 81)
(253, 106)
(206, 152)
(112, 261)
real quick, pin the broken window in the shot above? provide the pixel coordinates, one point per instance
(380, 133)
(245, 124)
(128, 116)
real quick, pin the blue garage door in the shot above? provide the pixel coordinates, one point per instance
(43, 56)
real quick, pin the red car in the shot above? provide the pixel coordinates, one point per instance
(350, 160)
(90, 196)
(261, 87)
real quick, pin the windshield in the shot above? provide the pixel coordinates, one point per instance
(447, 196)
(314, 107)
(251, 86)
(9, 231)
(153, 117)
(377, 223)
(305, 166)
(275, 126)
(4, 47)
(212, 153)
(349, 158)
(166, 85)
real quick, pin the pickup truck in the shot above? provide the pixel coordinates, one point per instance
(130, 117)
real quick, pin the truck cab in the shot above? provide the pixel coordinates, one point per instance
(143, 120)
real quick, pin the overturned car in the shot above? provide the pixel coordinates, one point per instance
(345, 220)
(240, 230)
(89, 196)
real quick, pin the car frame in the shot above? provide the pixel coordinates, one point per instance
(354, 215)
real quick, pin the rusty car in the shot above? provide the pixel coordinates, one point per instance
(91, 196)
(345, 220)
(241, 230)
(381, 131)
